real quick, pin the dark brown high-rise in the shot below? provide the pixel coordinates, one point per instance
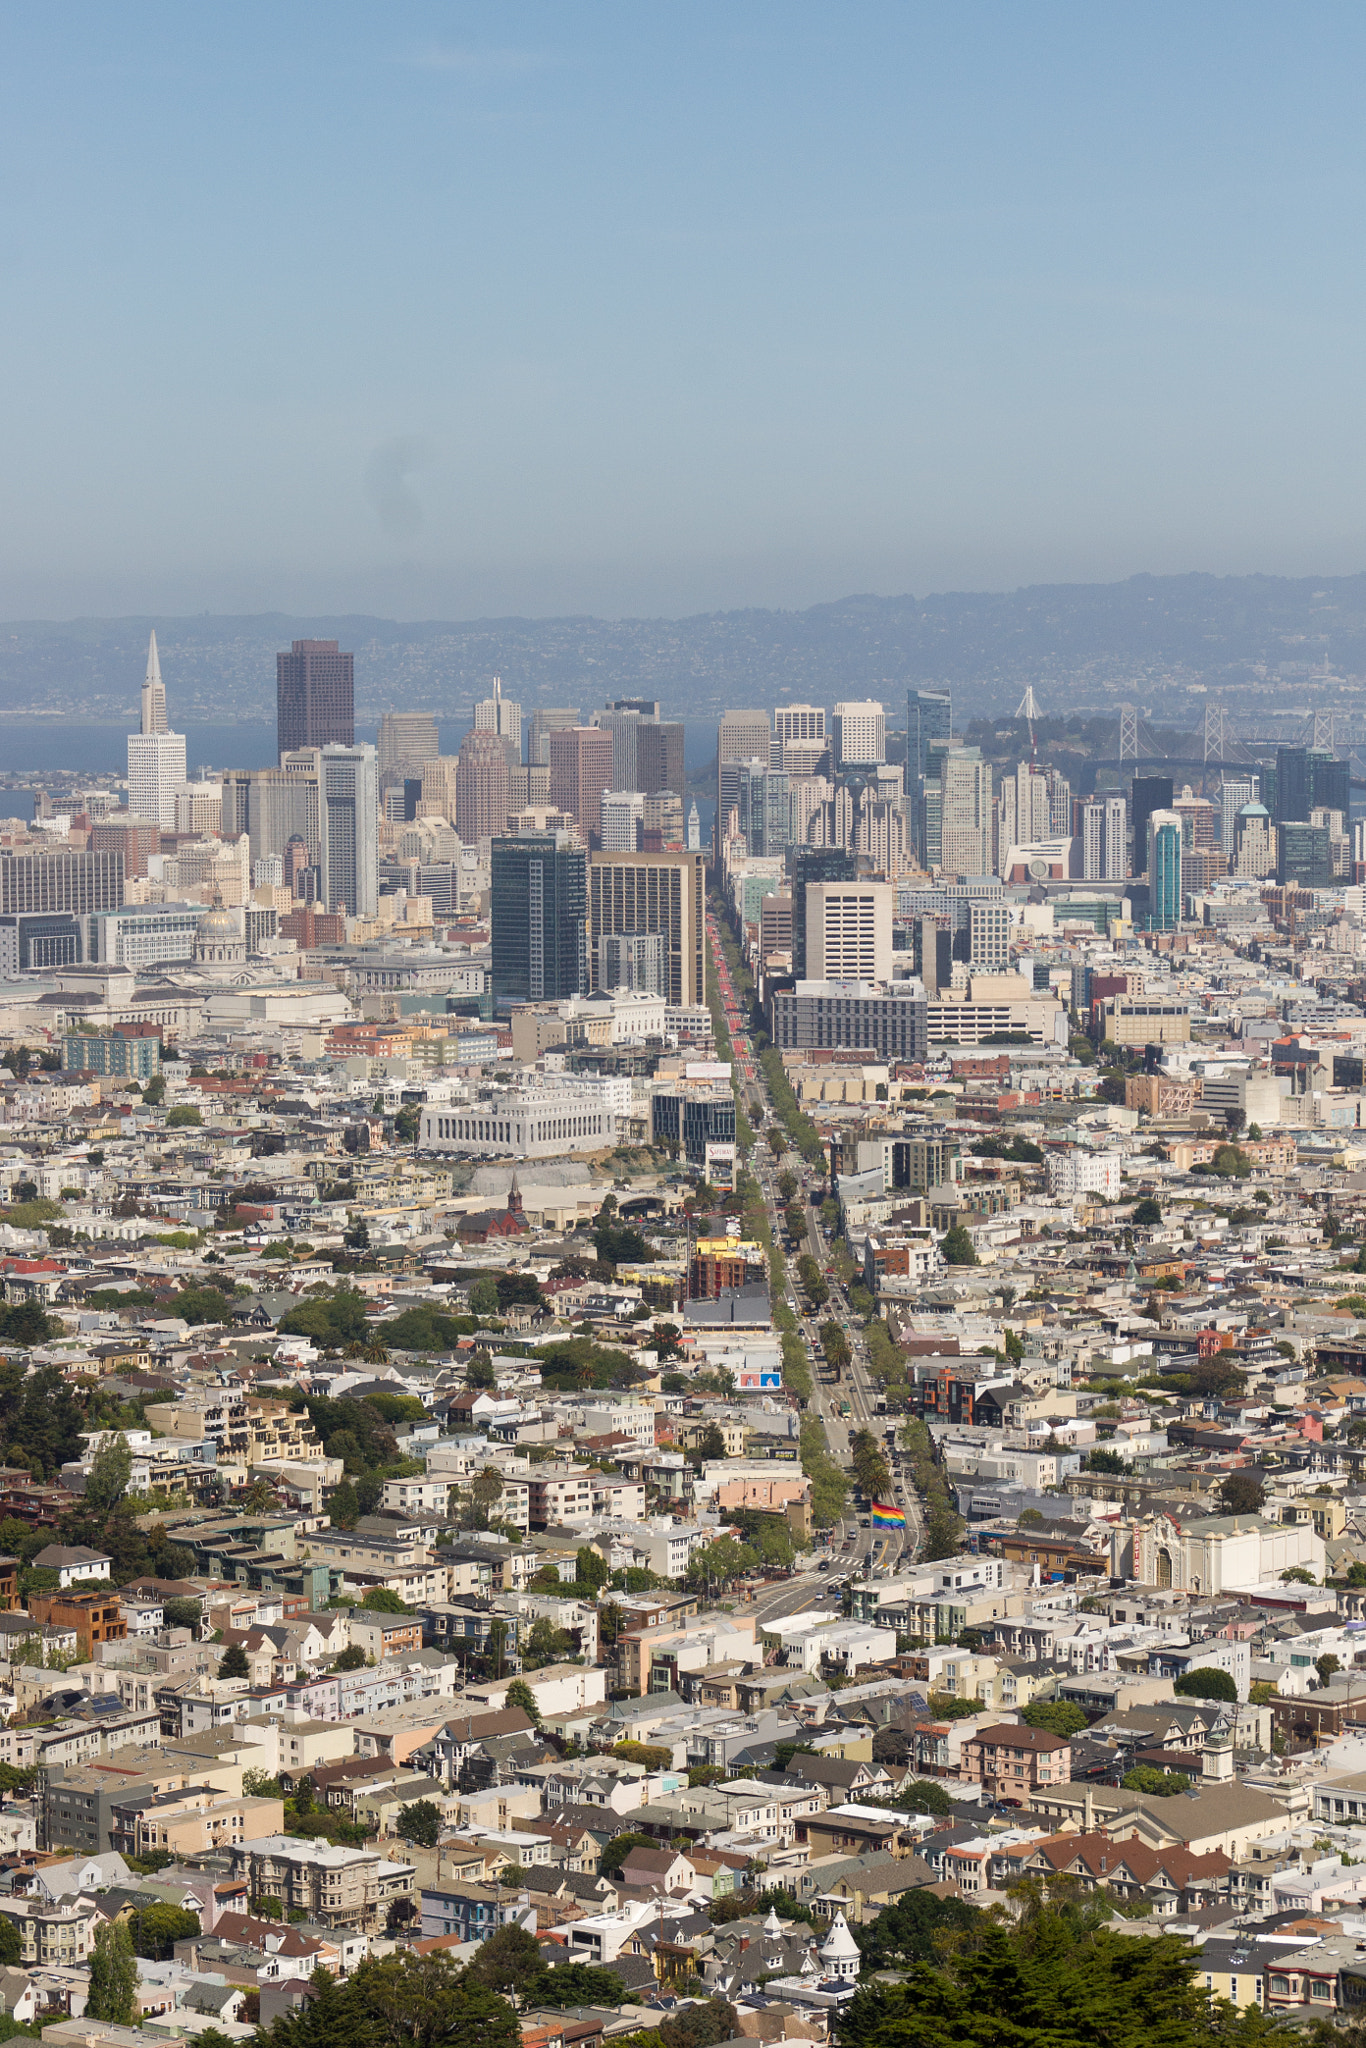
(659, 757)
(315, 696)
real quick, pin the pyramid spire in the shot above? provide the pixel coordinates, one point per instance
(153, 691)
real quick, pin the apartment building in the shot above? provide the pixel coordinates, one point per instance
(559, 1494)
(189, 1821)
(52, 1936)
(1009, 1761)
(335, 1887)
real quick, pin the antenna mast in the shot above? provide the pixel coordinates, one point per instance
(1028, 709)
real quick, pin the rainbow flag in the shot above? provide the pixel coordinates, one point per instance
(888, 1517)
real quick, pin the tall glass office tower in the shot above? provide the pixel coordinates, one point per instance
(540, 918)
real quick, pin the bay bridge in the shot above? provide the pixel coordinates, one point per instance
(1214, 747)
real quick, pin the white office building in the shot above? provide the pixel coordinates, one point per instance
(156, 756)
(859, 734)
(156, 776)
(348, 822)
(555, 1121)
(849, 930)
(989, 938)
(1084, 1173)
(623, 820)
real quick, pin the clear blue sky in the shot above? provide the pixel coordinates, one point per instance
(445, 310)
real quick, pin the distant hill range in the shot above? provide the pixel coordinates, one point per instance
(1268, 643)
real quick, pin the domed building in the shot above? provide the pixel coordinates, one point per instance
(839, 1952)
(218, 942)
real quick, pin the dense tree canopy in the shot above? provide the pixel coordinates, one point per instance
(1058, 1979)
(1206, 1682)
(398, 2001)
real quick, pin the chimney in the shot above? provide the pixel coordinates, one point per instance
(1088, 1811)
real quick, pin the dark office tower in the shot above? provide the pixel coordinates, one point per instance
(929, 716)
(929, 720)
(1330, 787)
(659, 757)
(315, 696)
(1147, 793)
(540, 918)
(813, 864)
(1303, 859)
(1293, 793)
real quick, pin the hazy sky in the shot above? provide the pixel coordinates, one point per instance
(444, 310)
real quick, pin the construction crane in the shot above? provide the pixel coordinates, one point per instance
(1028, 709)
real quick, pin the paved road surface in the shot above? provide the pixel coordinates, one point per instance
(852, 1544)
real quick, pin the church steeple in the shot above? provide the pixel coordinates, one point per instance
(514, 1196)
(153, 692)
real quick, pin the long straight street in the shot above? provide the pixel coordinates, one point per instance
(850, 1405)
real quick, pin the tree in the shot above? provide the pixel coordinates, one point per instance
(1298, 1576)
(720, 1563)
(618, 1850)
(484, 1296)
(486, 1490)
(700, 2026)
(907, 1931)
(344, 1506)
(711, 1445)
(233, 1663)
(546, 1644)
(1147, 1215)
(590, 1568)
(924, 1796)
(574, 1984)
(420, 1822)
(157, 1928)
(113, 1994)
(183, 1614)
(1242, 1493)
(655, 1756)
(1206, 1682)
(357, 1236)
(352, 1658)
(398, 2001)
(509, 1960)
(479, 1374)
(1326, 1666)
(1059, 1717)
(1060, 1978)
(259, 1498)
(1107, 1461)
(383, 1600)
(1157, 1784)
(957, 1247)
(519, 1694)
(111, 1468)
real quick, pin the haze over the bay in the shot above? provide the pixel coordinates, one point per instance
(457, 311)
